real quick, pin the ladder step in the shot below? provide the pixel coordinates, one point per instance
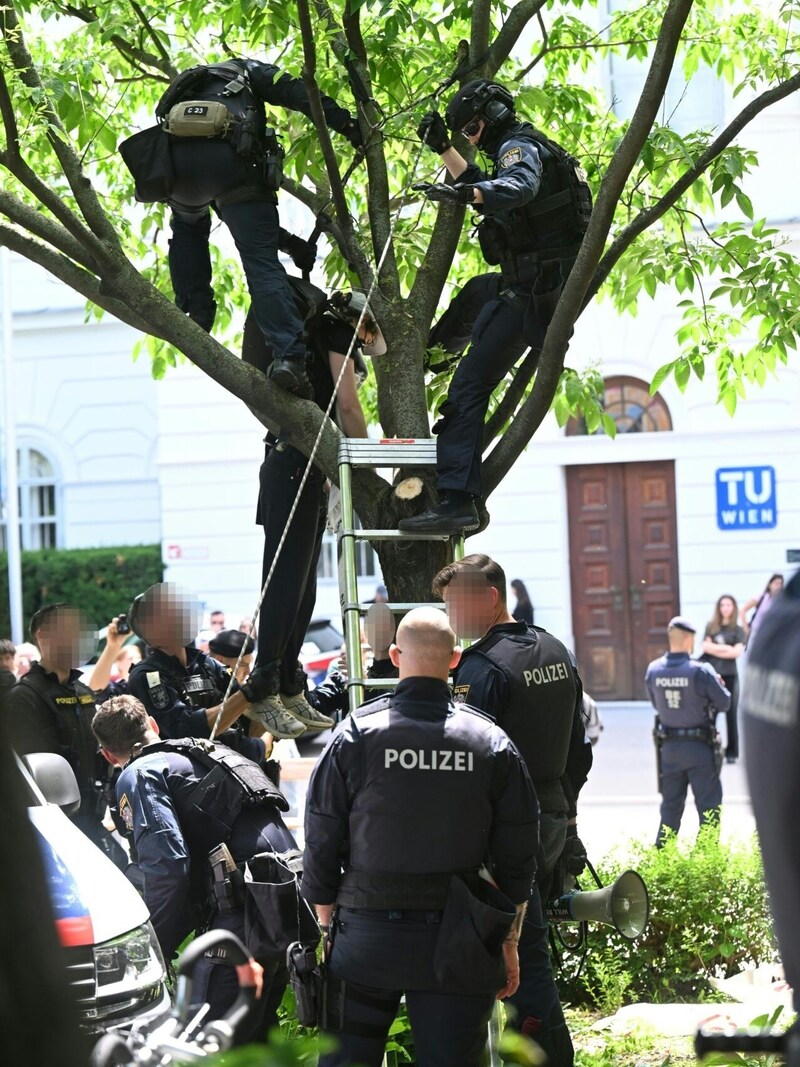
(396, 607)
(389, 452)
(396, 535)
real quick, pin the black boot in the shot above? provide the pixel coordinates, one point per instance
(290, 374)
(452, 515)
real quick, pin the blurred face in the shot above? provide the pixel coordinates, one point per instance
(66, 638)
(775, 586)
(6, 661)
(726, 608)
(471, 605)
(171, 616)
(217, 621)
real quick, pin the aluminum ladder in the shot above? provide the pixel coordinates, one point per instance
(364, 452)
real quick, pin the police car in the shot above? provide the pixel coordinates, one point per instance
(113, 959)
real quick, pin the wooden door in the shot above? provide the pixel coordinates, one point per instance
(624, 571)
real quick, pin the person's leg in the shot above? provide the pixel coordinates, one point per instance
(705, 782)
(453, 330)
(449, 1030)
(732, 721)
(674, 783)
(368, 1014)
(190, 264)
(537, 1009)
(552, 835)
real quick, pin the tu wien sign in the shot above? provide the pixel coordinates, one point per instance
(746, 498)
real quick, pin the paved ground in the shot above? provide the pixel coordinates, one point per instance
(620, 801)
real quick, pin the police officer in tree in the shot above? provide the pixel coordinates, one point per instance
(535, 205)
(51, 710)
(416, 793)
(181, 687)
(527, 681)
(770, 708)
(687, 696)
(174, 819)
(238, 171)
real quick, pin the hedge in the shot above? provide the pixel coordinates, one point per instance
(102, 581)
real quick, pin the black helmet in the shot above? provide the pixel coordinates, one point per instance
(481, 99)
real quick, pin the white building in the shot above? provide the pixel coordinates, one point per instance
(611, 537)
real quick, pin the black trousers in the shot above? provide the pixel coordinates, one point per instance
(687, 763)
(381, 958)
(289, 603)
(501, 321)
(732, 717)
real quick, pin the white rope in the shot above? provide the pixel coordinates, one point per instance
(315, 448)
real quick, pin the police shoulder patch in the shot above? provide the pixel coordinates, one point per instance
(160, 697)
(126, 812)
(513, 155)
(461, 692)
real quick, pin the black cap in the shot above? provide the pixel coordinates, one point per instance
(229, 643)
(680, 622)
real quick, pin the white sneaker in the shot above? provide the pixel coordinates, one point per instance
(302, 710)
(271, 713)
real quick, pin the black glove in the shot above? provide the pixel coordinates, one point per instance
(352, 131)
(446, 194)
(204, 316)
(303, 253)
(574, 856)
(433, 132)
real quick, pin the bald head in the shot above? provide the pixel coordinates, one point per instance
(425, 646)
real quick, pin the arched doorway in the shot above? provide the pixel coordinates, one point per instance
(623, 551)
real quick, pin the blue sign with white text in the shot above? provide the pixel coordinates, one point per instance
(746, 498)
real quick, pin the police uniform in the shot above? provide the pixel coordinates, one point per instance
(212, 171)
(502, 314)
(527, 681)
(289, 601)
(412, 790)
(770, 708)
(178, 697)
(46, 715)
(687, 696)
(168, 809)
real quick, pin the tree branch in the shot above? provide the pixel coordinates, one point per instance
(646, 218)
(518, 18)
(82, 189)
(480, 27)
(166, 63)
(135, 56)
(52, 233)
(551, 363)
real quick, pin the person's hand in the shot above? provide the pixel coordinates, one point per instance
(438, 192)
(251, 974)
(303, 253)
(114, 639)
(573, 855)
(511, 961)
(204, 316)
(352, 131)
(432, 131)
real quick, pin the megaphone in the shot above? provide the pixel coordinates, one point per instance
(623, 905)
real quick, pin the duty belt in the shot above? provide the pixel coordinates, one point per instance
(686, 733)
(520, 266)
(365, 889)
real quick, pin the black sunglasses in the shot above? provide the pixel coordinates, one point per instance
(471, 128)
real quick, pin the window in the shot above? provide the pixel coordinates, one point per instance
(628, 402)
(365, 558)
(38, 501)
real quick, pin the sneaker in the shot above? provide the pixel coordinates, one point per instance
(272, 715)
(290, 374)
(302, 710)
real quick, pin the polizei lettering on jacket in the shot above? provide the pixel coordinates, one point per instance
(671, 682)
(551, 672)
(420, 759)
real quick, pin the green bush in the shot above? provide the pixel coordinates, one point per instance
(709, 918)
(102, 581)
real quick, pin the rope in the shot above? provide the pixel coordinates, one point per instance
(402, 201)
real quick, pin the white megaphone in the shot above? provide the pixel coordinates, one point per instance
(623, 905)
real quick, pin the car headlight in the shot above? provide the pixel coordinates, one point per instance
(128, 963)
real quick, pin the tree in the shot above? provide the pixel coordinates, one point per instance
(77, 77)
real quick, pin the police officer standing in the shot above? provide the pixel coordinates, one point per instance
(417, 793)
(175, 818)
(527, 681)
(238, 171)
(536, 207)
(771, 727)
(51, 710)
(687, 696)
(182, 687)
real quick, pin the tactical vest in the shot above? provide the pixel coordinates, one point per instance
(540, 712)
(73, 715)
(438, 774)
(563, 205)
(233, 782)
